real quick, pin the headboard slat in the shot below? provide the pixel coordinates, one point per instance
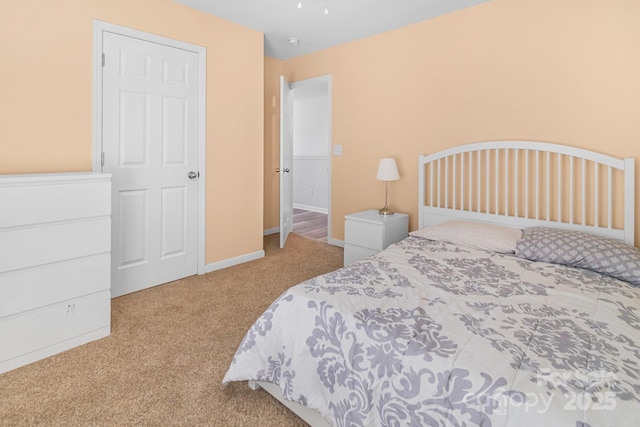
(609, 197)
(506, 187)
(571, 187)
(487, 191)
(526, 185)
(548, 189)
(497, 178)
(478, 180)
(596, 198)
(537, 187)
(584, 192)
(517, 174)
(559, 159)
(470, 181)
(506, 181)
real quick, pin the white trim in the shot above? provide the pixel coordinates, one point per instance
(311, 157)
(328, 79)
(311, 209)
(336, 242)
(34, 356)
(331, 241)
(99, 28)
(269, 231)
(230, 262)
(52, 178)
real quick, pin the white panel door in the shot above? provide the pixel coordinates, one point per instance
(150, 146)
(286, 160)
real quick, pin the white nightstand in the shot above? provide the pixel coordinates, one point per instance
(367, 233)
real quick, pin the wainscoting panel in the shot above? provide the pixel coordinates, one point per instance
(311, 183)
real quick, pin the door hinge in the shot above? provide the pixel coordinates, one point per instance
(103, 59)
(102, 159)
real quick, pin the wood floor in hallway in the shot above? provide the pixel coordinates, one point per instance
(312, 225)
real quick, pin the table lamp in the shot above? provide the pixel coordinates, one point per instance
(387, 171)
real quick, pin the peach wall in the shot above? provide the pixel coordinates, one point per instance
(563, 72)
(46, 82)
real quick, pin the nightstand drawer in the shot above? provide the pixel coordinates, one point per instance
(355, 253)
(364, 234)
(367, 233)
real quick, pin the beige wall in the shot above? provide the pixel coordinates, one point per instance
(46, 85)
(565, 72)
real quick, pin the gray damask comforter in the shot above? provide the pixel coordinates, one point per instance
(431, 334)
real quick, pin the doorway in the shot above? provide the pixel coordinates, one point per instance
(149, 127)
(312, 158)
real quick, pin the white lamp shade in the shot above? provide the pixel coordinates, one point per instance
(387, 170)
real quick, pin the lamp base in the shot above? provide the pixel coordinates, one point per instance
(385, 211)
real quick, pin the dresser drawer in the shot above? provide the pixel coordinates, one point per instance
(27, 247)
(364, 234)
(55, 201)
(34, 330)
(30, 288)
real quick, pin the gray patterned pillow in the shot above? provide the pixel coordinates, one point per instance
(575, 249)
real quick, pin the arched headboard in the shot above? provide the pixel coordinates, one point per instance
(525, 183)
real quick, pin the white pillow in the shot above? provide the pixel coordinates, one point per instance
(494, 238)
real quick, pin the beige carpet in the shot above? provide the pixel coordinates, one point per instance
(169, 348)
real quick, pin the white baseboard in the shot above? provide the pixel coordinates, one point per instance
(219, 265)
(56, 348)
(330, 240)
(310, 208)
(269, 231)
(335, 242)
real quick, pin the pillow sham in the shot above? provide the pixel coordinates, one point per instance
(494, 238)
(576, 249)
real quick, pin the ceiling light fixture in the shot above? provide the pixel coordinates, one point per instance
(293, 41)
(326, 7)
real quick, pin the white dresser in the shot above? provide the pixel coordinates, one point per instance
(55, 272)
(367, 233)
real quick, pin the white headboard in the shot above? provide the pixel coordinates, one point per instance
(524, 184)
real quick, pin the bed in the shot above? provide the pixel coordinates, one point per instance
(515, 303)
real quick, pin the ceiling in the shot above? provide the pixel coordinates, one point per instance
(346, 21)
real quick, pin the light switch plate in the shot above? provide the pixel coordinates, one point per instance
(337, 150)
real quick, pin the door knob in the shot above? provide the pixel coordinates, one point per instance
(193, 175)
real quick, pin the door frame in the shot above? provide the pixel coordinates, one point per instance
(99, 28)
(314, 81)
